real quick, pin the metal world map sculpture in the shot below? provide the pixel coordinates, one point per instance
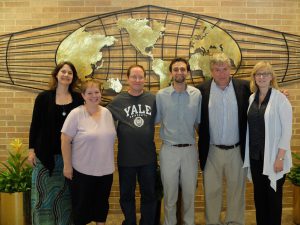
(104, 46)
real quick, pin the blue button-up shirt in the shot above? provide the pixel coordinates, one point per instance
(223, 115)
(178, 113)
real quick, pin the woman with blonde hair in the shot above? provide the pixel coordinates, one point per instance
(87, 138)
(268, 153)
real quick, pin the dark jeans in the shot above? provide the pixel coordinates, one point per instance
(146, 176)
(268, 203)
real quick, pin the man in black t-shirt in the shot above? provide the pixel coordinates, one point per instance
(134, 112)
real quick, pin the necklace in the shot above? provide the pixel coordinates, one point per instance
(64, 113)
(63, 99)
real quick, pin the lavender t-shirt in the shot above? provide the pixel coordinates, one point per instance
(93, 141)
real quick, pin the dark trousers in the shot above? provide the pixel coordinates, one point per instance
(90, 196)
(268, 202)
(146, 176)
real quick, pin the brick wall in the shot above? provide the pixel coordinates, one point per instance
(16, 15)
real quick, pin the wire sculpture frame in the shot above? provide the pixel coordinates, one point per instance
(27, 57)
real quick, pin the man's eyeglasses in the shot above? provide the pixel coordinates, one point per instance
(136, 78)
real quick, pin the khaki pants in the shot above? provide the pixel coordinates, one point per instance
(179, 166)
(224, 164)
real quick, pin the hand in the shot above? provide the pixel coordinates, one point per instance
(278, 165)
(285, 92)
(31, 158)
(68, 172)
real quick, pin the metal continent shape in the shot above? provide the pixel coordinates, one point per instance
(27, 57)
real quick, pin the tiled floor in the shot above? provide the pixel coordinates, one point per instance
(116, 219)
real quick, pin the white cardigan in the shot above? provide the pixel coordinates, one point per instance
(278, 132)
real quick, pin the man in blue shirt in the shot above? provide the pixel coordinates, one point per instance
(178, 111)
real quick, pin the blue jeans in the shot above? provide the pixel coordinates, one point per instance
(146, 176)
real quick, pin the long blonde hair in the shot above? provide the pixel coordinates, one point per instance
(262, 65)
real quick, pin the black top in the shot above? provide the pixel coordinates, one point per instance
(47, 121)
(256, 124)
(135, 116)
(242, 93)
(61, 112)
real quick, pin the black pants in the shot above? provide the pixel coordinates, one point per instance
(268, 202)
(146, 176)
(90, 196)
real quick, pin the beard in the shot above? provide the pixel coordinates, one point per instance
(179, 79)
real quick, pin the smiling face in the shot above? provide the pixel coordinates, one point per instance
(263, 78)
(92, 94)
(136, 80)
(65, 75)
(179, 72)
(221, 74)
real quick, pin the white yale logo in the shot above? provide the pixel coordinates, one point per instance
(138, 121)
(138, 112)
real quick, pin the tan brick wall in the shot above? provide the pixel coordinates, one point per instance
(16, 15)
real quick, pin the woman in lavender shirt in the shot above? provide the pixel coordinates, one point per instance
(88, 136)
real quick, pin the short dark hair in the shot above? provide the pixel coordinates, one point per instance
(179, 60)
(53, 82)
(134, 66)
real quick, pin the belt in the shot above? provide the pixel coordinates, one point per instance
(182, 145)
(227, 147)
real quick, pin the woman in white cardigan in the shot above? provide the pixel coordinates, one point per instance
(268, 153)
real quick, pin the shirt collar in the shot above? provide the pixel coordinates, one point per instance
(214, 84)
(188, 90)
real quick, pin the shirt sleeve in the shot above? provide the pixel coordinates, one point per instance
(158, 109)
(286, 120)
(36, 121)
(70, 126)
(198, 119)
(112, 119)
(112, 107)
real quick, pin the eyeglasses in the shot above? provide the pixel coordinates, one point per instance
(137, 78)
(262, 75)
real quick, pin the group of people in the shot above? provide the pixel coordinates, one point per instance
(244, 128)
